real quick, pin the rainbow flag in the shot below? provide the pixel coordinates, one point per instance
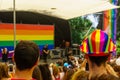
(40, 34)
(110, 21)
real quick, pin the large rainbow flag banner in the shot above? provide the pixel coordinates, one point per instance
(40, 34)
(110, 21)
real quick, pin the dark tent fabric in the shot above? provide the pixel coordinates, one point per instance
(62, 28)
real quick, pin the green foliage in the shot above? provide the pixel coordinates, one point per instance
(79, 27)
(118, 46)
(118, 29)
(118, 21)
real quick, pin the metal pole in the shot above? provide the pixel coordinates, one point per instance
(14, 22)
(88, 32)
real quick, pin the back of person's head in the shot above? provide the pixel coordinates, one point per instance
(80, 75)
(45, 72)
(60, 62)
(117, 69)
(98, 45)
(5, 50)
(46, 46)
(68, 75)
(60, 68)
(26, 55)
(37, 74)
(65, 69)
(80, 61)
(98, 60)
(55, 70)
(3, 71)
(105, 77)
(67, 44)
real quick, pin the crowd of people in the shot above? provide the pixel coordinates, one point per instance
(98, 62)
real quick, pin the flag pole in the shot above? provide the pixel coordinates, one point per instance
(14, 23)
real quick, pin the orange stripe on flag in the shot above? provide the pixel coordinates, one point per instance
(106, 19)
(27, 32)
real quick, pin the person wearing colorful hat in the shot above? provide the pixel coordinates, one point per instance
(97, 48)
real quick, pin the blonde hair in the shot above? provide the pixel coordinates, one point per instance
(3, 71)
(110, 70)
(68, 75)
(80, 75)
(56, 70)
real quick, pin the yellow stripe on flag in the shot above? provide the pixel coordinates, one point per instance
(97, 37)
(84, 47)
(26, 37)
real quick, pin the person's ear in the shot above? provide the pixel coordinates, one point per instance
(109, 57)
(13, 60)
(37, 62)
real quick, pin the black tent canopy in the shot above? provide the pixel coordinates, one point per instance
(62, 28)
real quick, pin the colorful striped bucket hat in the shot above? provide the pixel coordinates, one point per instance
(97, 43)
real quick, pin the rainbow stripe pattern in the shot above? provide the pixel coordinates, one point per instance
(97, 44)
(40, 34)
(110, 21)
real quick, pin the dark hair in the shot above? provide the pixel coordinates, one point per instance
(37, 73)
(117, 69)
(65, 69)
(45, 72)
(26, 55)
(98, 60)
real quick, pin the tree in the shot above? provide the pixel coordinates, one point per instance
(118, 21)
(79, 27)
(118, 29)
